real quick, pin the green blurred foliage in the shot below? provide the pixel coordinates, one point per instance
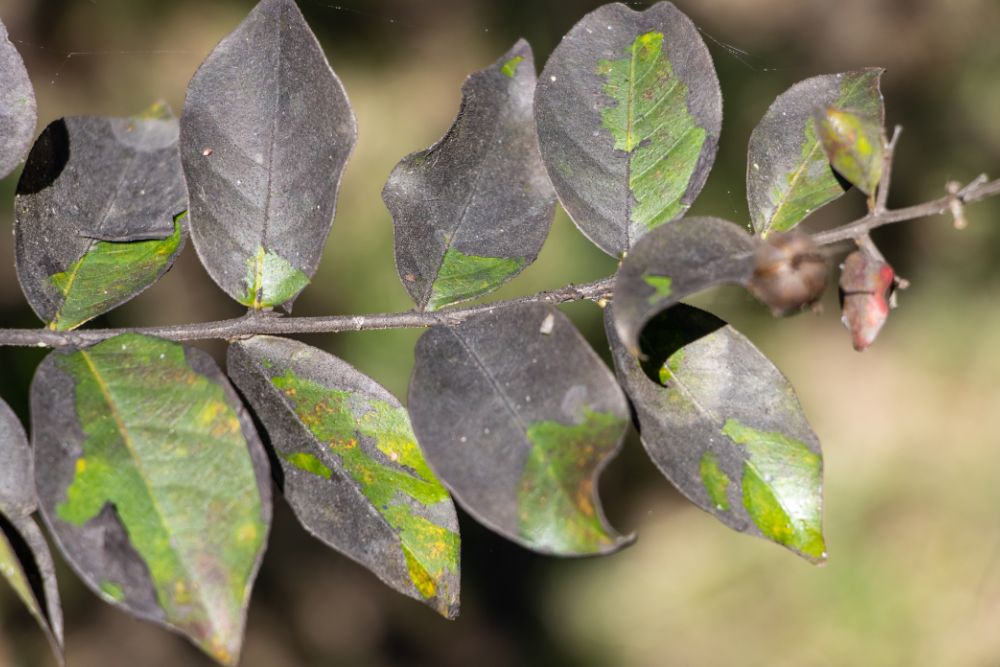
(909, 428)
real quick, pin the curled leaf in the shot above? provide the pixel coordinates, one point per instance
(675, 262)
(18, 110)
(472, 211)
(517, 416)
(351, 468)
(724, 426)
(853, 144)
(265, 135)
(629, 113)
(154, 484)
(866, 289)
(788, 173)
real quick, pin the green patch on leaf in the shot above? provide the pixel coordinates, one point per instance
(309, 463)
(556, 509)
(715, 480)
(110, 273)
(271, 280)
(113, 590)
(782, 488)
(165, 449)
(662, 286)
(156, 111)
(671, 366)
(462, 277)
(853, 145)
(510, 67)
(650, 121)
(395, 484)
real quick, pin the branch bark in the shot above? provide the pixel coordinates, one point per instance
(270, 323)
(601, 290)
(975, 191)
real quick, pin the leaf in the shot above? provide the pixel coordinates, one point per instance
(629, 113)
(725, 427)
(99, 214)
(25, 561)
(351, 468)
(154, 484)
(472, 211)
(518, 423)
(853, 145)
(17, 493)
(788, 174)
(265, 135)
(18, 111)
(675, 262)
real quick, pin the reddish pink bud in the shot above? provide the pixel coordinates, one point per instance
(866, 286)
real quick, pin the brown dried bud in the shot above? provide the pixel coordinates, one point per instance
(789, 273)
(866, 290)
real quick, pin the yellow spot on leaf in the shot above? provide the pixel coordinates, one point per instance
(421, 579)
(247, 533)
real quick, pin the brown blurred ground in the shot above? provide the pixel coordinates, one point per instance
(910, 428)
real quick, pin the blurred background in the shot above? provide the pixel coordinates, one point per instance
(911, 428)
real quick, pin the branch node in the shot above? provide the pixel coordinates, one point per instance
(955, 204)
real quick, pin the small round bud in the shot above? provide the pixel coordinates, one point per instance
(789, 273)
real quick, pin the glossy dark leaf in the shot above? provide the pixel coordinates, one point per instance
(518, 416)
(675, 262)
(351, 468)
(18, 113)
(25, 561)
(853, 144)
(99, 213)
(788, 174)
(17, 491)
(472, 211)
(629, 112)
(724, 426)
(153, 482)
(265, 135)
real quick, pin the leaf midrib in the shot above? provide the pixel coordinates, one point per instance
(140, 468)
(629, 121)
(258, 292)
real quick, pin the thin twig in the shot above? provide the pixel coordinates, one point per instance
(975, 191)
(866, 243)
(600, 290)
(887, 156)
(269, 323)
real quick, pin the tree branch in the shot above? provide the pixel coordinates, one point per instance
(271, 323)
(975, 191)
